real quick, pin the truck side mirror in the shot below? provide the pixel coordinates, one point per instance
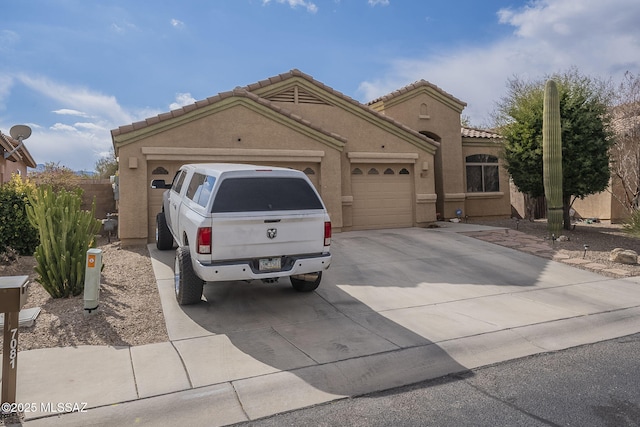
(160, 183)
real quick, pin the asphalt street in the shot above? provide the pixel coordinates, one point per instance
(592, 385)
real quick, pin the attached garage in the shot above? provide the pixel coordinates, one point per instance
(382, 196)
(371, 170)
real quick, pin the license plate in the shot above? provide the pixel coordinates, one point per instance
(269, 264)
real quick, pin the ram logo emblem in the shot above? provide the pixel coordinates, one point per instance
(272, 233)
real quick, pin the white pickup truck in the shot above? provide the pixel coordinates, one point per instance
(242, 222)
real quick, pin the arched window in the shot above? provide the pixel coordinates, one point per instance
(356, 171)
(482, 173)
(309, 171)
(389, 171)
(403, 171)
(373, 171)
(160, 171)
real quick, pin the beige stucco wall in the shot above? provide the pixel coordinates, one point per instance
(432, 113)
(8, 168)
(236, 134)
(371, 141)
(604, 205)
(329, 135)
(496, 204)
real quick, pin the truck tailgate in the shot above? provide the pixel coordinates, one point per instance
(255, 235)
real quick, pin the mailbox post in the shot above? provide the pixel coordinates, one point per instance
(13, 295)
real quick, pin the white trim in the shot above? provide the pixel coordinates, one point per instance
(365, 157)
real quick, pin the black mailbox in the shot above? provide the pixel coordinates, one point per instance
(13, 293)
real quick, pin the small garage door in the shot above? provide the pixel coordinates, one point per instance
(382, 196)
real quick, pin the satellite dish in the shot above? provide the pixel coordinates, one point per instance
(20, 132)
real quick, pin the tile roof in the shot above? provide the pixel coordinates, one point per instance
(479, 133)
(237, 92)
(413, 86)
(247, 92)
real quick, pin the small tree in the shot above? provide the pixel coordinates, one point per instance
(107, 166)
(66, 233)
(625, 152)
(16, 232)
(57, 177)
(586, 135)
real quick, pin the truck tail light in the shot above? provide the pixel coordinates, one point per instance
(327, 233)
(204, 240)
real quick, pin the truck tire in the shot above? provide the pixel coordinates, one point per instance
(188, 285)
(164, 239)
(306, 282)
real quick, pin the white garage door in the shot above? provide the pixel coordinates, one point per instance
(382, 196)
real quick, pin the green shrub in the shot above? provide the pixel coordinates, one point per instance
(632, 224)
(16, 231)
(66, 233)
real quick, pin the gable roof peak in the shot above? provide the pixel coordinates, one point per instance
(422, 83)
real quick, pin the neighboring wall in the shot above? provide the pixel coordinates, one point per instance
(101, 190)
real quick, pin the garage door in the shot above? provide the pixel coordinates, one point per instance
(382, 196)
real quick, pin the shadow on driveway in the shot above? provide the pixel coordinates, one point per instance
(376, 321)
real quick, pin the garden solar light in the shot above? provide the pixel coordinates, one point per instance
(585, 250)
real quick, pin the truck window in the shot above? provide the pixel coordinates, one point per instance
(200, 188)
(178, 181)
(265, 194)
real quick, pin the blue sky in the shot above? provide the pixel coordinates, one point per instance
(75, 69)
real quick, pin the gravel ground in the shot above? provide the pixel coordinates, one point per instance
(130, 312)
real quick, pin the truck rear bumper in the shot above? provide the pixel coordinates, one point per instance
(248, 269)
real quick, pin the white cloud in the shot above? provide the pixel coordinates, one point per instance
(63, 128)
(8, 39)
(78, 99)
(123, 27)
(90, 126)
(69, 112)
(77, 145)
(182, 99)
(311, 7)
(6, 82)
(379, 2)
(549, 36)
(176, 23)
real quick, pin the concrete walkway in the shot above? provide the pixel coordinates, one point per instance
(396, 307)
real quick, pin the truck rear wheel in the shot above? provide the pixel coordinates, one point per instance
(164, 239)
(188, 284)
(306, 282)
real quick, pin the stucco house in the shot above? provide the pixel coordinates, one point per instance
(18, 162)
(402, 160)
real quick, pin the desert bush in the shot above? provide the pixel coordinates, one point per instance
(56, 176)
(16, 231)
(632, 224)
(66, 233)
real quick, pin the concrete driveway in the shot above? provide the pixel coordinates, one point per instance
(396, 307)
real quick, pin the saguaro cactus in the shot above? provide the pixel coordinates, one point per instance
(552, 157)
